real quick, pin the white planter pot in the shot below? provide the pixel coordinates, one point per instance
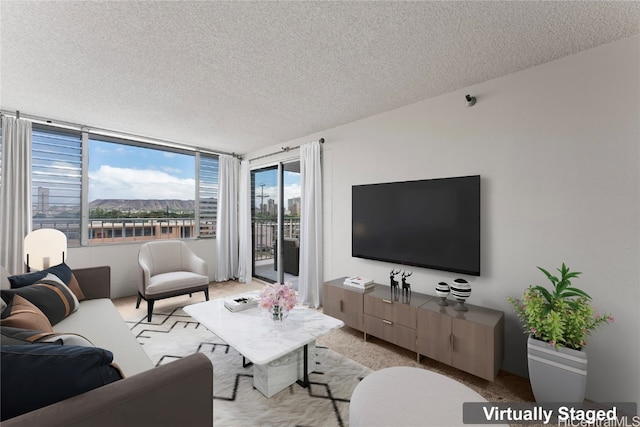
(556, 375)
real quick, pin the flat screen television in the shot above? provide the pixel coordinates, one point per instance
(433, 223)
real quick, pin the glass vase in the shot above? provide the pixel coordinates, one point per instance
(278, 313)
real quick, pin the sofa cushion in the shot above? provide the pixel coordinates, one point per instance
(21, 313)
(176, 280)
(50, 295)
(100, 322)
(39, 375)
(62, 271)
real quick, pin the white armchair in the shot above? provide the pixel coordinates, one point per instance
(169, 268)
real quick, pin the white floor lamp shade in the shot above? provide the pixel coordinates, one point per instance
(44, 247)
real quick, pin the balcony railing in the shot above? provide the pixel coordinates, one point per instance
(119, 230)
(139, 229)
(265, 233)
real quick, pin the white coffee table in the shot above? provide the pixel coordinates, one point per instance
(282, 353)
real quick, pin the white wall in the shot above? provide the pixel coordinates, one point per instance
(557, 147)
(123, 260)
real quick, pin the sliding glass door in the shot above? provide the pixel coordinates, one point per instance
(264, 221)
(276, 222)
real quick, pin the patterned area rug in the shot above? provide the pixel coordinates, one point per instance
(172, 335)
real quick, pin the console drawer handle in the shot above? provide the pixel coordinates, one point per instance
(387, 301)
(387, 322)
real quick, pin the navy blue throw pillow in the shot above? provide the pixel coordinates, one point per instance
(34, 376)
(63, 271)
(26, 279)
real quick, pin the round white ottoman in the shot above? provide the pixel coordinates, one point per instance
(403, 396)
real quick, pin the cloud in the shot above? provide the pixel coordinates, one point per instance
(110, 182)
(291, 191)
(170, 170)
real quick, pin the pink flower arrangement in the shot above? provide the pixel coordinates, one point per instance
(278, 294)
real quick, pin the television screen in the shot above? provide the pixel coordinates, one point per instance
(431, 223)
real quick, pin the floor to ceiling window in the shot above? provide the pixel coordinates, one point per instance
(276, 222)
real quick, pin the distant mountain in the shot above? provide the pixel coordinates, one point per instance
(148, 205)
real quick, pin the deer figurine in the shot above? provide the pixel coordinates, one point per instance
(394, 283)
(406, 287)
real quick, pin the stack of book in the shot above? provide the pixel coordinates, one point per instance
(241, 303)
(359, 282)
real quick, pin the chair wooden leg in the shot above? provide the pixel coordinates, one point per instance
(138, 302)
(206, 294)
(149, 309)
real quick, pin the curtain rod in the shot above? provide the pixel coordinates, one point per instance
(110, 132)
(282, 150)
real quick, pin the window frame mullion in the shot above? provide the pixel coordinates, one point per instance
(196, 213)
(84, 190)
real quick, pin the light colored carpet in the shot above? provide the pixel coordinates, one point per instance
(374, 353)
(173, 334)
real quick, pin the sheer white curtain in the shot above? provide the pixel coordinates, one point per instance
(15, 196)
(245, 264)
(310, 282)
(227, 221)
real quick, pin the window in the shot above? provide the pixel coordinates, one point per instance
(56, 177)
(138, 192)
(135, 191)
(208, 195)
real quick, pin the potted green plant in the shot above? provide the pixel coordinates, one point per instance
(558, 322)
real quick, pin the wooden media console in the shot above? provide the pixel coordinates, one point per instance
(471, 340)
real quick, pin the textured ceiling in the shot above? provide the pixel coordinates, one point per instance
(239, 76)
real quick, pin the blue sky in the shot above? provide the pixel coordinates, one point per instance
(118, 171)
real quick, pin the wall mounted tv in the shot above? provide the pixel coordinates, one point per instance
(432, 223)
